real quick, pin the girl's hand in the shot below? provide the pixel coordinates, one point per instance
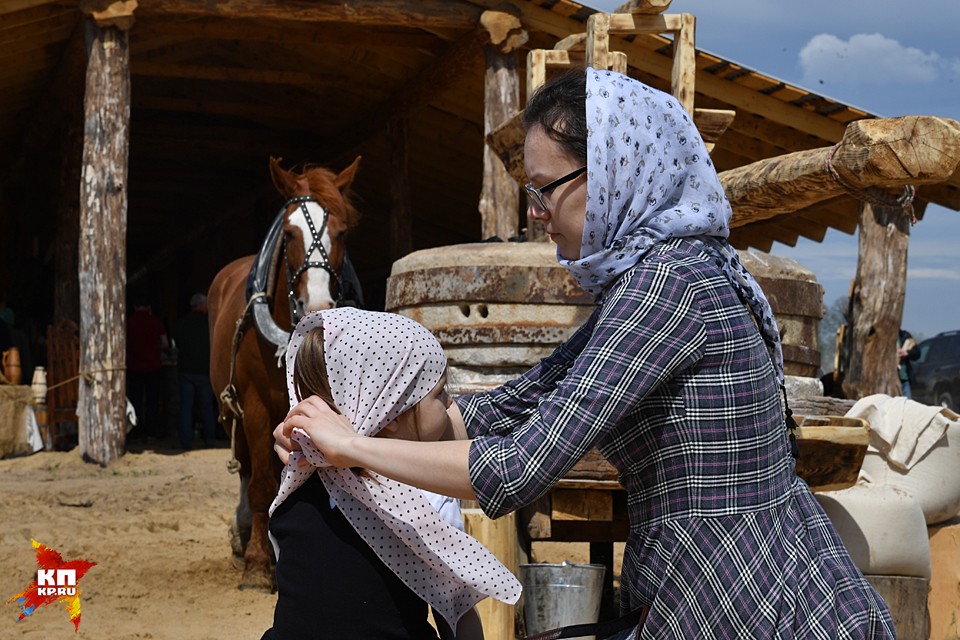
(283, 444)
(329, 431)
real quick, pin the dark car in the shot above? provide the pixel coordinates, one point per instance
(936, 372)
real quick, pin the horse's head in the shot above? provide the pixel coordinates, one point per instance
(318, 215)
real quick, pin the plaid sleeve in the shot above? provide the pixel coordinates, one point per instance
(500, 410)
(647, 330)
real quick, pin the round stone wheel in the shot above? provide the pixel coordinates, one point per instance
(497, 308)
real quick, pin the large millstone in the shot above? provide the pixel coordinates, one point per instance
(497, 309)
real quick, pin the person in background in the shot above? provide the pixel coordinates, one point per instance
(906, 351)
(677, 378)
(191, 334)
(146, 339)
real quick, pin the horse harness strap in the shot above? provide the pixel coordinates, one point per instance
(230, 408)
(316, 243)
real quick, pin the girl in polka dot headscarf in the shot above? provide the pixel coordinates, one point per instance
(360, 555)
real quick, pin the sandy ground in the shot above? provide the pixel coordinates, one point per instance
(156, 523)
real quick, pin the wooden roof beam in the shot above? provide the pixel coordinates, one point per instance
(34, 17)
(233, 74)
(13, 6)
(643, 6)
(642, 53)
(884, 153)
(426, 14)
(444, 71)
(286, 33)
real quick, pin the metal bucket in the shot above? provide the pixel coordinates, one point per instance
(558, 595)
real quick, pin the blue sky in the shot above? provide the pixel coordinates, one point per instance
(888, 58)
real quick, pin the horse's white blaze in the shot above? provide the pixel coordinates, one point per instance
(316, 279)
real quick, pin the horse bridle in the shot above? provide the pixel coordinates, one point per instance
(316, 243)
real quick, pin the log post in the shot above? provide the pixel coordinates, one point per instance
(101, 407)
(500, 195)
(401, 211)
(500, 537)
(876, 303)
(885, 153)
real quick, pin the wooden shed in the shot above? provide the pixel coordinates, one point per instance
(218, 87)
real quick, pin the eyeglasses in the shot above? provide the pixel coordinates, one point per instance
(537, 194)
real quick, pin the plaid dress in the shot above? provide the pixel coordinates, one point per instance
(671, 380)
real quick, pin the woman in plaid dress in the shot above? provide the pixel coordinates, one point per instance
(677, 378)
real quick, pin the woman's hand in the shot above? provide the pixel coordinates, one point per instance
(329, 431)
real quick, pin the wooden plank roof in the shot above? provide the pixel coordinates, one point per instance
(218, 87)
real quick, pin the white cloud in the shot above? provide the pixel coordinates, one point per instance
(868, 60)
(933, 273)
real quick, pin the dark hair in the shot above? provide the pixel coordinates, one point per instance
(560, 107)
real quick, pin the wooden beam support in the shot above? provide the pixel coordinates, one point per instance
(882, 153)
(539, 61)
(683, 78)
(401, 210)
(600, 26)
(500, 195)
(102, 403)
(712, 123)
(500, 537)
(425, 14)
(110, 13)
(643, 6)
(868, 357)
(504, 30)
(507, 139)
(644, 57)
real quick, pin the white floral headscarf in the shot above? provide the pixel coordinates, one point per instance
(649, 179)
(379, 365)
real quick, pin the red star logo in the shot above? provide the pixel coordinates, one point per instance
(56, 580)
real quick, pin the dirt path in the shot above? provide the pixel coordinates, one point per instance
(156, 525)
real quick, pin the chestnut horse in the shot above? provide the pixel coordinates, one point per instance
(254, 303)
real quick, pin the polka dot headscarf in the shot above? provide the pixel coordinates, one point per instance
(379, 365)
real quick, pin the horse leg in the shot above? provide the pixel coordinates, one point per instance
(261, 490)
(258, 570)
(242, 520)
